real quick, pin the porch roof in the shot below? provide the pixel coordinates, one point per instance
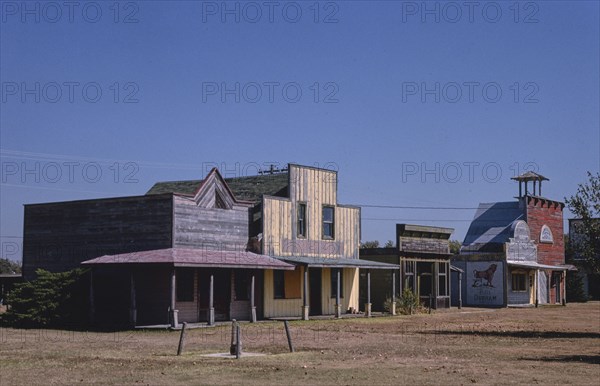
(325, 262)
(534, 265)
(189, 257)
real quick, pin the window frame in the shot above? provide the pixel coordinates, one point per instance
(332, 222)
(517, 288)
(302, 228)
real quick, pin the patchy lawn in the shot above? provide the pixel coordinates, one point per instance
(548, 345)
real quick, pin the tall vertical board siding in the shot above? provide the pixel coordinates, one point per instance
(350, 291)
(315, 188)
(59, 236)
(200, 227)
(281, 307)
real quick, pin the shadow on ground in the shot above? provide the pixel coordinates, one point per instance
(519, 334)
(591, 359)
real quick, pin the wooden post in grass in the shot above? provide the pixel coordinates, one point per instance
(393, 305)
(238, 342)
(181, 339)
(430, 302)
(289, 336)
(233, 338)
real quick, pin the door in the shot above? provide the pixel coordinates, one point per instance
(314, 291)
(221, 294)
(556, 279)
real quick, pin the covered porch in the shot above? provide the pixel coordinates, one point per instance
(329, 286)
(533, 283)
(174, 285)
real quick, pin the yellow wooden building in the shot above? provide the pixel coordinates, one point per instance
(310, 229)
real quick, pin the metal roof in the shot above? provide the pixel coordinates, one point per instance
(325, 262)
(189, 257)
(491, 226)
(530, 176)
(532, 264)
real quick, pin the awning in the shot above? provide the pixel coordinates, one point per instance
(534, 265)
(189, 257)
(325, 262)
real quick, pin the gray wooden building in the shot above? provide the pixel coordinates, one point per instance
(423, 253)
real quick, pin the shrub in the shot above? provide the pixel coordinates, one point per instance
(408, 303)
(51, 300)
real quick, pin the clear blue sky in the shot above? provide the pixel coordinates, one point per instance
(374, 60)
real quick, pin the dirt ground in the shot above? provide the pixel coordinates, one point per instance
(548, 345)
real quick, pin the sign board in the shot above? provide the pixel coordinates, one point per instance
(485, 283)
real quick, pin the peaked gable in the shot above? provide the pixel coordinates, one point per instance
(213, 192)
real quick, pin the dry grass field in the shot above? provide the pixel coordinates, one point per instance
(548, 345)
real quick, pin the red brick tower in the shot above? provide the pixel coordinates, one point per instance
(545, 219)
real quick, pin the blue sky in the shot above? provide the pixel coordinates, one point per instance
(415, 104)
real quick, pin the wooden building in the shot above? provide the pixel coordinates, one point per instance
(513, 253)
(276, 244)
(423, 254)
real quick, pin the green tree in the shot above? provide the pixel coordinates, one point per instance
(585, 205)
(9, 266)
(389, 244)
(455, 247)
(370, 244)
(51, 300)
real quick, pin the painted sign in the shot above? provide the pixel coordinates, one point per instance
(485, 284)
(521, 247)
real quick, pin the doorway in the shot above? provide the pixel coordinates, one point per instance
(314, 278)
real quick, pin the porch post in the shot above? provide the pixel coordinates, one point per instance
(459, 290)
(563, 288)
(252, 305)
(132, 301)
(368, 305)
(537, 290)
(338, 305)
(174, 316)
(393, 306)
(211, 297)
(92, 305)
(305, 306)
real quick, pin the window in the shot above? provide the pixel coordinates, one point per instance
(301, 226)
(184, 282)
(334, 272)
(409, 275)
(287, 284)
(518, 282)
(328, 222)
(442, 279)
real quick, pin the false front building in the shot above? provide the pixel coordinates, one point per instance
(513, 253)
(276, 244)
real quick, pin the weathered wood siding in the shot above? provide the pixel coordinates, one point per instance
(315, 188)
(59, 236)
(208, 227)
(281, 307)
(350, 291)
(423, 245)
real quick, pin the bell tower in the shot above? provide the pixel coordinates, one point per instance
(524, 180)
